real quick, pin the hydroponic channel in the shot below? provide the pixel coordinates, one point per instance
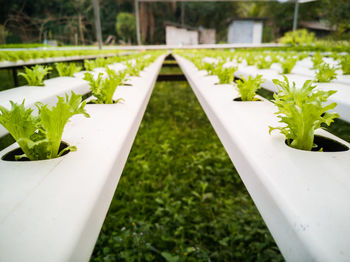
(179, 196)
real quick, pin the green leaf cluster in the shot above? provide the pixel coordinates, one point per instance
(209, 67)
(247, 87)
(126, 27)
(325, 73)
(67, 69)
(302, 111)
(40, 136)
(103, 88)
(35, 76)
(251, 58)
(298, 37)
(288, 64)
(16, 55)
(264, 62)
(317, 60)
(225, 73)
(345, 64)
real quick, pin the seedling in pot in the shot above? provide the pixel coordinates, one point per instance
(40, 136)
(103, 89)
(288, 65)
(248, 87)
(325, 73)
(67, 69)
(302, 111)
(35, 76)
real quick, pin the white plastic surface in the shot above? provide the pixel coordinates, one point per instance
(4, 64)
(53, 210)
(302, 196)
(342, 97)
(46, 94)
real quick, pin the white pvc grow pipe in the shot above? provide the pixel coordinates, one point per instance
(58, 86)
(302, 196)
(4, 64)
(53, 210)
(342, 97)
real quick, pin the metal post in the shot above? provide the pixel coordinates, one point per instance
(296, 11)
(97, 23)
(15, 77)
(138, 36)
(182, 14)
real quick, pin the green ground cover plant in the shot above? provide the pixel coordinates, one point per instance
(247, 87)
(179, 197)
(302, 110)
(40, 136)
(67, 69)
(35, 76)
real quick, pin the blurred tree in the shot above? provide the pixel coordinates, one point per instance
(338, 14)
(126, 27)
(3, 34)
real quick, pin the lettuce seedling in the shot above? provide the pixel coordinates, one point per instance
(288, 65)
(89, 65)
(325, 73)
(209, 67)
(40, 136)
(225, 74)
(103, 89)
(317, 60)
(345, 64)
(65, 69)
(35, 76)
(264, 63)
(302, 111)
(248, 87)
(132, 69)
(251, 58)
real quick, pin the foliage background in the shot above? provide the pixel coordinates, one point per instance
(71, 22)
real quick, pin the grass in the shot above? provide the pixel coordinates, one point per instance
(179, 197)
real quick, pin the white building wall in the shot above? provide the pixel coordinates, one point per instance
(245, 31)
(180, 36)
(257, 32)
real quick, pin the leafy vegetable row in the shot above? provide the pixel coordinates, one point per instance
(40, 136)
(300, 110)
(25, 55)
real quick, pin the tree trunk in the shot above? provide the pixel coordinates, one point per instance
(143, 21)
(81, 30)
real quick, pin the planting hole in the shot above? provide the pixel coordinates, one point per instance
(326, 144)
(239, 99)
(10, 156)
